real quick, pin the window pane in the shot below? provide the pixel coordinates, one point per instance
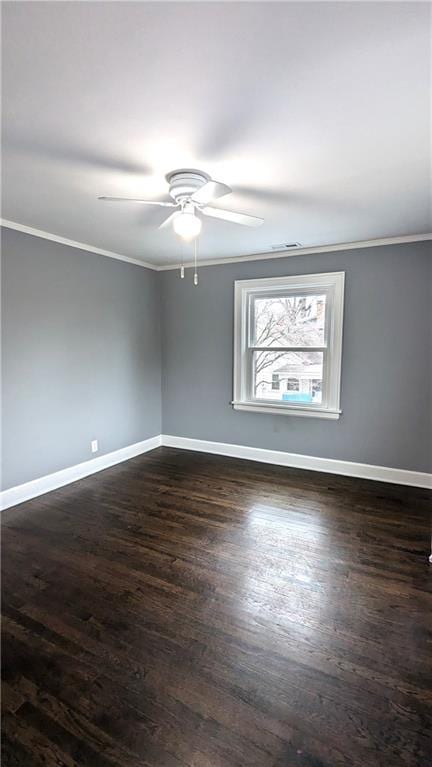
(289, 321)
(299, 376)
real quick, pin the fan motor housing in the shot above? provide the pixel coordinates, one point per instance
(183, 183)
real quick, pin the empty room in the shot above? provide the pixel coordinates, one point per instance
(216, 384)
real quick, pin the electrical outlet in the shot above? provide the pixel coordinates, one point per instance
(94, 446)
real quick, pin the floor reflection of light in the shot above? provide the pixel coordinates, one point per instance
(283, 578)
(285, 523)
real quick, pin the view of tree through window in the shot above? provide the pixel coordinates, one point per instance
(282, 324)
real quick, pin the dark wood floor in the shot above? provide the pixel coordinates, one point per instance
(183, 609)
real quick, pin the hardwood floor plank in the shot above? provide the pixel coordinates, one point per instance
(188, 610)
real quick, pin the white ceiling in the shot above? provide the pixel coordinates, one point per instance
(317, 115)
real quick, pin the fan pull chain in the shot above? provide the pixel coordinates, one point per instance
(182, 262)
(195, 277)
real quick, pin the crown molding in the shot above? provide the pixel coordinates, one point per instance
(303, 251)
(402, 239)
(73, 243)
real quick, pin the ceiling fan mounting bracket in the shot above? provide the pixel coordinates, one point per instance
(183, 183)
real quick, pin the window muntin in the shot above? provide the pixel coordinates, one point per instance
(289, 330)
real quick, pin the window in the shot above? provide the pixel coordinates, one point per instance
(288, 344)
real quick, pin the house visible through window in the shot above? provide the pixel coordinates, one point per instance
(288, 344)
(293, 384)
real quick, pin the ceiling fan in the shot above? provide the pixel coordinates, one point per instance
(192, 191)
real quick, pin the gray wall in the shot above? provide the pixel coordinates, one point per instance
(386, 368)
(80, 357)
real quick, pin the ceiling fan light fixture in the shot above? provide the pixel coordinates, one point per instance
(187, 225)
(192, 190)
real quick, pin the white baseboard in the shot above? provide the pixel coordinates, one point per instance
(25, 492)
(294, 460)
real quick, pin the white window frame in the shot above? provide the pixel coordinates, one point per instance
(330, 284)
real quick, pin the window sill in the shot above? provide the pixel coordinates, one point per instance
(306, 412)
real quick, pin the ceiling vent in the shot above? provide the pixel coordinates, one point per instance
(286, 246)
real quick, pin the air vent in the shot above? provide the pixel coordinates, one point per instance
(286, 246)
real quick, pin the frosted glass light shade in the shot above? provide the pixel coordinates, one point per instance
(187, 226)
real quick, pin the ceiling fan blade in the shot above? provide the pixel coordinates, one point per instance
(210, 191)
(170, 219)
(230, 215)
(143, 202)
